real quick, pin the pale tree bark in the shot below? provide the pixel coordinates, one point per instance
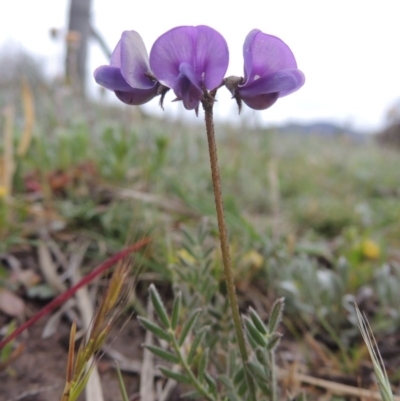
(79, 32)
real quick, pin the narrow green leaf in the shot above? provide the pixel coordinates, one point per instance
(159, 306)
(189, 237)
(232, 358)
(203, 364)
(121, 383)
(262, 385)
(262, 357)
(188, 326)
(179, 377)
(276, 315)
(192, 394)
(215, 313)
(242, 390)
(254, 333)
(226, 381)
(238, 377)
(162, 353)
(176, 310)
(212, 384)
(155, 329)
(195, 345)
(257, 370)
(274, 341)
(257, 321)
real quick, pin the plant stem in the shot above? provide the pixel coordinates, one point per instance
(226, 258)
(274, 387)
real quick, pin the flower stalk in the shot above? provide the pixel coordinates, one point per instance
(208, 102)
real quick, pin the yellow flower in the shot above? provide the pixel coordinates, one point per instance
(186, 256)
(253, 258)
(3, 191)
(370, 249)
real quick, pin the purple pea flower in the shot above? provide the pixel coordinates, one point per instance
(190, 60)
(128, 74)
(270, 72)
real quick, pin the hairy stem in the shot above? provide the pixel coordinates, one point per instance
(274, 387)
(223, 233)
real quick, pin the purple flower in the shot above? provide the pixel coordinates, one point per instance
(190, 60)
(270, 71)
(128, 74)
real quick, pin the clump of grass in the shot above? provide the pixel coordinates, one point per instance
(79, 366)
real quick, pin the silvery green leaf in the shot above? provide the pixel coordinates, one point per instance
(273, 341)
(262, 357)
(239, 377)
(162, 353)
(192, 394)
(212, 384)
(155, 329)
(159, 306)
(276, 315)
(203, 364)
(257, 370)
(254, 333)
(179, 377)
(188, 326)
(258, 323)
(176, 310)
(195, 344)
(242, 389)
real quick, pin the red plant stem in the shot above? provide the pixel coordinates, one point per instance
(60, 299)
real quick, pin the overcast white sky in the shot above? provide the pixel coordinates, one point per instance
(349, 50)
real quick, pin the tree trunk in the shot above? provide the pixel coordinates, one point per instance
(77, 43)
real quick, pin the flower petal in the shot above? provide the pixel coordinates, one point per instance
(212, 55)
(201, 47)
(284, 82)
(136, 97)
(111, 78)
(170, 50)
(264, 54)
(134, 60)
(261, 102)
(187, 88)
(115, 60)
